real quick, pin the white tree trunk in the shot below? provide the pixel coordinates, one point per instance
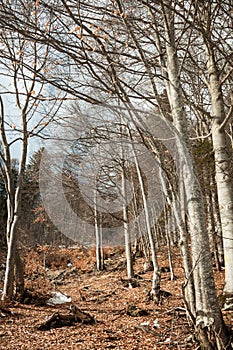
(184, 247)
(13, 206)
(8, 288)
(208, 315)
(98, 241)
(223, 173)
(128, 250)
(155, 289)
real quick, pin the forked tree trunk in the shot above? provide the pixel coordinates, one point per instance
(8, 288)
(13, 207)
(11, 266)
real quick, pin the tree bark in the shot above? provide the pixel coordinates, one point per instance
(19, 274)
(128, 249)
(209, 323)
(223, 172)
(14, 206)
(155, 289)
(98, 241)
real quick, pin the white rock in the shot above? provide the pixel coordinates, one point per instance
(58, 298)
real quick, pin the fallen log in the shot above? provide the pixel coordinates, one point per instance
(57, 320)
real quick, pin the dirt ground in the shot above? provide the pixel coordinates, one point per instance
(125, 317)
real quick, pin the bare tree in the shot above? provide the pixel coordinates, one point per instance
(127, 54)
(216, 78)
(30, 120)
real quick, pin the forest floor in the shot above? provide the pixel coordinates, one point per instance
(125, 317)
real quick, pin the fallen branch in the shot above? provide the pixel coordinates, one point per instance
(147, 330)
(5, 312)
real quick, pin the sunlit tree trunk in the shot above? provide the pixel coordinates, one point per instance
(14, 205)
(223, 173)
(211, 330)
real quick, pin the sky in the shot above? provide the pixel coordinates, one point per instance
(12, 116)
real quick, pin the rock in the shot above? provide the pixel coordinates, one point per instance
(58, 298)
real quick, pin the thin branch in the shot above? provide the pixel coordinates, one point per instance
(201, 137)
(227, 75)
(228, 117)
